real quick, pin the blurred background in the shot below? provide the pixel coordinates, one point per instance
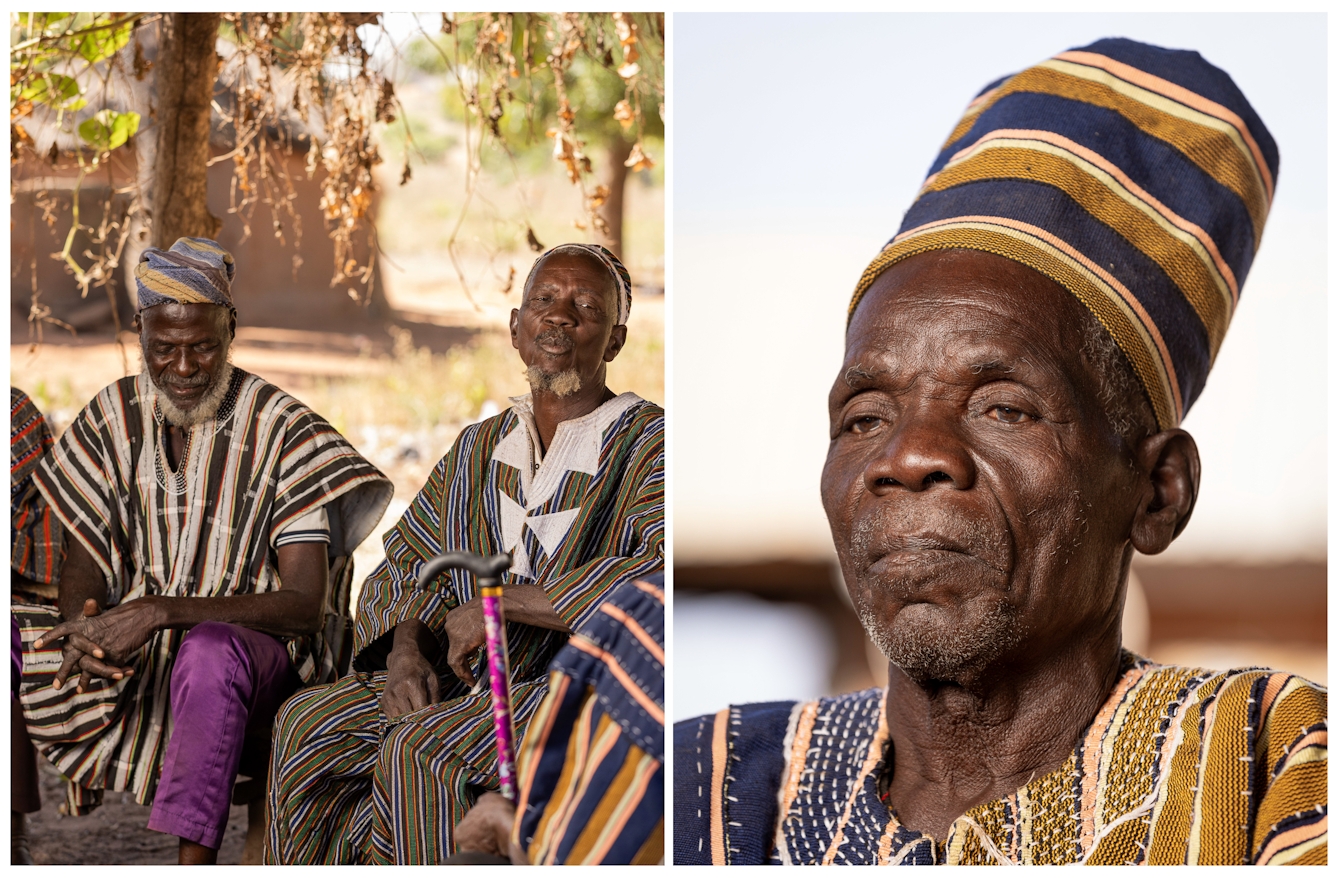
(384, 182)
(789, 180)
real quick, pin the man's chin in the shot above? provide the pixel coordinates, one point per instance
(196, 409)
(561, 384)
(933, 644)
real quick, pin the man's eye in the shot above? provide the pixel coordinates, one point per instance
(864, 424)
(1010, 415)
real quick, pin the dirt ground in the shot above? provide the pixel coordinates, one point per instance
(114, 834)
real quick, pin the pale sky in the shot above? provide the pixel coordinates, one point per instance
(798, 143)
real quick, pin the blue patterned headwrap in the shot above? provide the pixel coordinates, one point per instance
(195, 271)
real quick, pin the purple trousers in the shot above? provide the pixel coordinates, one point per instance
(226, 681)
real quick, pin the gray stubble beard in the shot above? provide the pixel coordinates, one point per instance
(942, 651)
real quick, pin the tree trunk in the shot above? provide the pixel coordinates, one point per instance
(184, 86)
(615, 177)
(145, 145)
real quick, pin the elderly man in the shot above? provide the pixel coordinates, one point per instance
(381, 766)
(1003, 438)
(201, 506)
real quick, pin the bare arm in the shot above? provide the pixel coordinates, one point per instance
(297, 608)
(80, 580)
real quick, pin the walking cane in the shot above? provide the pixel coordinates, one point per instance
(489, 572)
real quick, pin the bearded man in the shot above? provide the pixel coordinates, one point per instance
(201, 506)
(381, 766)
(1004, 436)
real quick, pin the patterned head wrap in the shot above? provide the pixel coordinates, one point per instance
(1136, 177)
(621, 279)
(194, 271)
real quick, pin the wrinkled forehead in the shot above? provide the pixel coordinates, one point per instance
(563, 265)
(174, 319)
(969, 307)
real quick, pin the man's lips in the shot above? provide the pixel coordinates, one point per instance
(186, 391)
(554, 342)
(908, 550)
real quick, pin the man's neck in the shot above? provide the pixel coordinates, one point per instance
(954, 748)
(551, 409)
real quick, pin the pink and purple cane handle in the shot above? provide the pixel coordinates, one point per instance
(489, 572)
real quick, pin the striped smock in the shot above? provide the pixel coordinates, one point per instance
(35, 546)
(1179, 766)
(591, 767)
(206, 529)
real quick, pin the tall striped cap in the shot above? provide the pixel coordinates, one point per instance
(194, 271)
(622, 280)
(1138, 178)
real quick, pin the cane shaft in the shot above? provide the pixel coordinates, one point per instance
(499, 677)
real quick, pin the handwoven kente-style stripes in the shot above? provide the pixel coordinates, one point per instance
(591, 766)
(347, 786)
(204, 530)
(35, 546)
(1179, 766)
(1136, 177)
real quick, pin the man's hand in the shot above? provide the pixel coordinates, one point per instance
(411, 681)
(487, 828)
(79, 652)
(114, 635)
(464, 634)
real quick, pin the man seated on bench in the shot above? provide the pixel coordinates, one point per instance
(201, 506)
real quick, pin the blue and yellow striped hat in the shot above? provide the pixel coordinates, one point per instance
(1136, 177)
(194, 271)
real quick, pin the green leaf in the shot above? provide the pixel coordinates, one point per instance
(95, 134)
(52, 88)
(108, 129)
(123, 127)
(101, 45)
(42, 19)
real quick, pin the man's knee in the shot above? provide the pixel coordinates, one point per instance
(210, 651)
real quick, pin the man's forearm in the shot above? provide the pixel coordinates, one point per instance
(414, 634)
(80, 579)
(282, 613)
(529, 604)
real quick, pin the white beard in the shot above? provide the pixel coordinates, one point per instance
(203, 410)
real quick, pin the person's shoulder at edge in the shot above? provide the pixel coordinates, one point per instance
(737, 755)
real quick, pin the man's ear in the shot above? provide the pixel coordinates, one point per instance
(617, 338)
(1170, 462)
(137, 324)
(232, 324)
(515, 328)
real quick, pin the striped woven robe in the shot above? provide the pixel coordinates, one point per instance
(35, 547)
(204, 530)
(591, 769)
(348, 785)
(1179, 766)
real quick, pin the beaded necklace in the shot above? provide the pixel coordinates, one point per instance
(175, 483)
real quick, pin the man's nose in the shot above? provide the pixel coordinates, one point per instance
(561, 313)
(922, 449)
(184, 364)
